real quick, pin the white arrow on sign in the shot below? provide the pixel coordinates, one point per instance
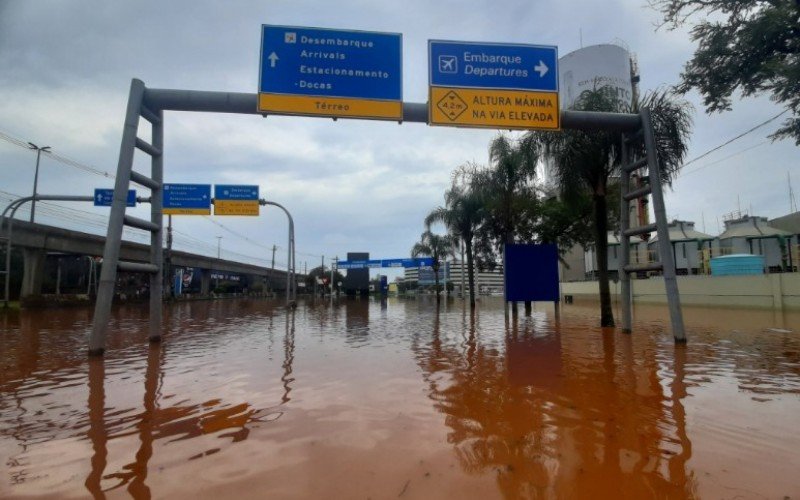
(99, 197)
(274, 57)
(541, 68)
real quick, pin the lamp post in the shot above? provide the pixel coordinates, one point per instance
(39, 150)
(219, 253)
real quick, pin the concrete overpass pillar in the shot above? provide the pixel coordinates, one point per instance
(33, 271)
(205, 282)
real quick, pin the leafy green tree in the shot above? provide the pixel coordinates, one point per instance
(437, 247)
(508, 190)
(325, 274)
(509, 194)
(462, 214)
(583, 162)
(752, 46)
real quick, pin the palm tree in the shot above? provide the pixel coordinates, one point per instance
(462, 213)
(435, 246)
(585, 161)
(509, 192)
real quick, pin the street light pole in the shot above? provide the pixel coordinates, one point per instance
(39, 150)
(219, 253)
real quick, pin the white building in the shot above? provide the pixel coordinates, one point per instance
(487, 282)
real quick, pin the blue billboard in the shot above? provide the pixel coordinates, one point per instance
(531, 272)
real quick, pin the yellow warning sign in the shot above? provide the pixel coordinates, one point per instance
(502, 109)
(236, 207)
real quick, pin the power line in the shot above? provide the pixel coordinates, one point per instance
(683, 174)
(736, 138)
(57, 157)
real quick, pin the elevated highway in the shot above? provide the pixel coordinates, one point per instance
(36, 240)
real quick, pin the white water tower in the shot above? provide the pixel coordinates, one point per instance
(594, 67)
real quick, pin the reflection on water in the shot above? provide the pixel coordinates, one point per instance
(400, 398)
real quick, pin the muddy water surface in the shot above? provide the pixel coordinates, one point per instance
(363, 399)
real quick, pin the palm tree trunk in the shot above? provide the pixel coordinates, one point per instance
(436, 279)
(601, 246)
(470, 273)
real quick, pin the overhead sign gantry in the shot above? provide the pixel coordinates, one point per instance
(336, 73)
(357, 74)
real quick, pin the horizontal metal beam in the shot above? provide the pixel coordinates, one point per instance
(147, 147)
(144, 180)
(638, 193)
(149, 116)
(141, 224)
(242, 103)
(635, 165)
(636, 231)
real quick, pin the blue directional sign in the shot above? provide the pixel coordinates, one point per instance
(325, 72)
(503, 86)
(105, 197)
(362, 264)
(235, 193)
(187, 199)
(493, 66)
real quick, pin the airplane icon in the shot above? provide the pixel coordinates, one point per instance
(448, 64)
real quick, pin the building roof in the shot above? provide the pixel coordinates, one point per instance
(682, 230)
(789, 223)
(750, 226)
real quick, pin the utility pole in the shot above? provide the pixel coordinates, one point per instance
(39, 150)
(274, 247)
(333, 266)
(322, 275)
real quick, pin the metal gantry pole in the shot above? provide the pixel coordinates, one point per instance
(156, 241)
(116, 219)
(624, 259)
(664, 247)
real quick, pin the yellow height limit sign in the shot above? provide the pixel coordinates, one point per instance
(235, 207)
(494, 108)
(493, 85)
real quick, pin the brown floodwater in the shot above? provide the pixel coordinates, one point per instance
(364, 399)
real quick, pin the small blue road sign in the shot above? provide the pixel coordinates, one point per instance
(362, 264)
(187, 199)
(235, 193)
(325, 72)
(493, 66)
(105, 197)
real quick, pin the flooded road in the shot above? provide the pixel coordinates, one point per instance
(363, 399)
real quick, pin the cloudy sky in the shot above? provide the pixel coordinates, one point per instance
(66, 66)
